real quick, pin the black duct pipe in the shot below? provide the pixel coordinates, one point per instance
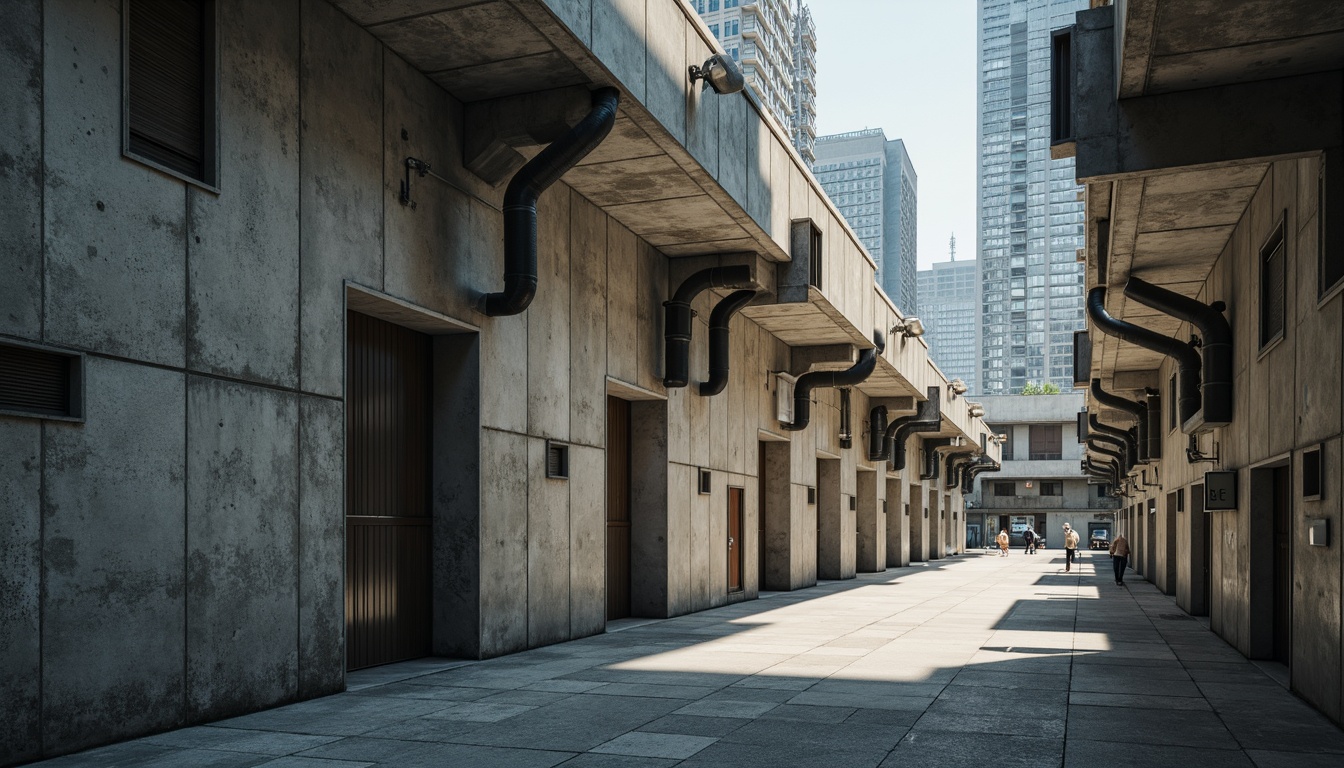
(1109, 471)
(877, 433)
(927, 419)
(1215, 347)
(1187, 359)
(1098, 441)
(1107, 431)
(1154, 425)
(718, 340)
(1111, 453)
(520, 203)
(1138, 410)
(956, 462)
(932, 467)
(855, 375)
(678, 315)
(977, 467)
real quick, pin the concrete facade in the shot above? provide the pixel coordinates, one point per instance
(177, 556)
(1200, 213)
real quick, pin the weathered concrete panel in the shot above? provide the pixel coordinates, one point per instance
(321, 546)
(665, 82)
(21, 171)
(116, 249)
(683, 507)
(242, 547)
(577, 15)
(548, 321)
(1316, 624)
(619, 39)
(587, 541)
(871, 547)
(778, 515)
(587, 320)
(504, 547)
(112, 552)
(703, 509)
(457, 495)
(653, 291)
(548, 561)
(249, 234)
(832, 506)
(20, 585)
(734, 169)
(341, 189)
(622, 303)
(651, 511)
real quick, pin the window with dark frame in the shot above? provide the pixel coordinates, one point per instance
(1007, 454)
(41, 382)
(1052, 488)
(1331, 270)
(1047, 442)
(169, 98)
(1172, 421)
(1273, 286)
(1005, 489)
(814, 263)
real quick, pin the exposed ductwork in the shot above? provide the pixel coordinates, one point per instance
(1140, 413)
(1124, 438)
(956, 462)
(853, 376)
(1187, 359)
(1116, 453)
(877, 433)
(1103, 470)
(1098, 440)
(932, 467)
(718, 340)
(1154, 425)
(977, 467)
(520, 203)
(678, 317)
(1215, 349)
(927, 419)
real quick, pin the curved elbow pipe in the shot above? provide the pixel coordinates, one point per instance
(932, 466)
(853, 376)
(877, 433)
(1215, 348)
(927, 419)
(677, 317)
(1106, 431)
(1187, 359)
(1138, 410)
(718, 340)
(520, 203)
(1098, 441)
(977, 467)
(956, 462)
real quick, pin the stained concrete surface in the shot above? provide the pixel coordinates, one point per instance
(975, 659)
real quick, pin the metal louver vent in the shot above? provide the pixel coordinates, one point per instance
(39, 382)
(557, 460)
(705, 481)
(811, 495)
(169, 79)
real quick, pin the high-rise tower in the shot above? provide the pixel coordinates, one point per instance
(1030, 208)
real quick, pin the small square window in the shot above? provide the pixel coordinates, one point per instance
(1052, 488)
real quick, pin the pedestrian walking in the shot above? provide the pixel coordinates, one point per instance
(1003, 542)
(1119, 557)
(1070, 547)
(1029, 536)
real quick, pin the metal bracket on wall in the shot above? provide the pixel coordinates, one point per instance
(421, 169)
(1194, 456)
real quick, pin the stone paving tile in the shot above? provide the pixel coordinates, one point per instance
(932, 665)
(313, 762)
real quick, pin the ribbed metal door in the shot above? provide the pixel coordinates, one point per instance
(387, 581)
(618, 508)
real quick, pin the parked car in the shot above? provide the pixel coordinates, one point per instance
(1101, 539)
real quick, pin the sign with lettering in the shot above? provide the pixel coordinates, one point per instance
(1220, 490)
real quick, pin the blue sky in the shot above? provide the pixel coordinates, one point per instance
(908, 67)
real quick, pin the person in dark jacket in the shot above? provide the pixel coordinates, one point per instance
(1029, 536)
(1119, 556)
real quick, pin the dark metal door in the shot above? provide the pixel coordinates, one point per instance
(1283, 568)
(760, 515)
(734, 539)
(618, 508)
(387, 576)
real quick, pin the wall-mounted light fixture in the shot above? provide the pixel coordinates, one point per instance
(975, 410)
(910, 327)
(721, 73)
(957, 386)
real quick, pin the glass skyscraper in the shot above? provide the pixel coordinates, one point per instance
(1030, 209)
(873, 183)
(948, 293)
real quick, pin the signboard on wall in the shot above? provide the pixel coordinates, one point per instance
(1220, 490)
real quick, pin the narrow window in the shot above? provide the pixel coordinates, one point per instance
(169, 68)
(1273, 286)
(1172, 420)
(814, 261)
(1052, 488)
(1005, 489)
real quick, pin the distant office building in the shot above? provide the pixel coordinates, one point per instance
(873, 183)
(948, 294)
(775, 42)
(1030, 210)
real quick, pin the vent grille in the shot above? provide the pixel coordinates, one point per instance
(706, 481)
(557, 460)
(811, 495)
(167, 83)
(1311, 474)
(38, 382)
(853, 504)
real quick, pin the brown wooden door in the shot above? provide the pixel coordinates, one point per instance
(387, 563)
(1283, 568)
(618, 508)
(734, 539)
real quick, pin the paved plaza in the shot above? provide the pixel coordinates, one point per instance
(973, 661)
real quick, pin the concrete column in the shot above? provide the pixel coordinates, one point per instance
(898, 521)
(919, 528)
(835, 524)
(933, 540)
(779, 517)
(871, 548)
(651, 524)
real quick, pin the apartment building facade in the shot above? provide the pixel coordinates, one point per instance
(949, 295)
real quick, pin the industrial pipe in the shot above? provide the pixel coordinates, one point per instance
(853, 376)
(1215, 346)
(520, 203)
(877, 433)
(927, 419)
(718, 340)
(1187, 359)
(1107, 431)
(932, 467)
(678, 315)
(1138, 410)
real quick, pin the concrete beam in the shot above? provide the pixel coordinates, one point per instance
(825, 357)
(497, 128)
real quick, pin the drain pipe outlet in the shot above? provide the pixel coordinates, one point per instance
(927, 419)
(956, 462)
(1138, 410)
(718, 340)
(520, 203)
(855, 375)
(877, 433)
(1106, 431)
(678, 316)
(1187, 359)
(979, 466)
(1215, 347)
(1110, 446)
